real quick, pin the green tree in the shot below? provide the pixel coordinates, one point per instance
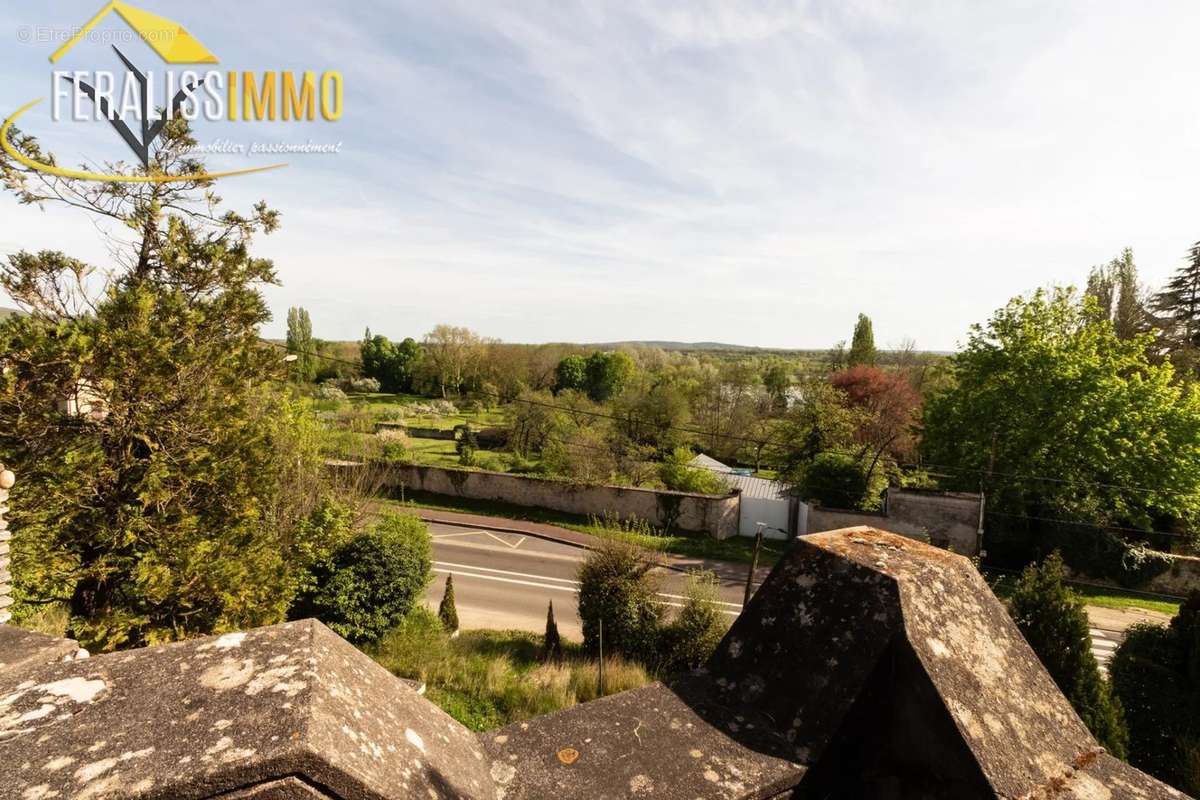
(617, 585)
(777, 380)
(164, 473)
(368, 585)
(1156, 674)
(677, 473)
(551, 642)
(447, 612)
(1179, 303)
(1118, 295)
(1054, 621)
(692, 637)
(300, 343)
(1063, 420)
(862, 344)
(571, 374)
(393, 364)
(606, 374)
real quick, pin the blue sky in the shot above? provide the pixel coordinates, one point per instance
(745, 172)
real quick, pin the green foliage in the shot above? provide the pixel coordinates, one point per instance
(1054, 622)
(607, 374)
(447, 613)
(677, 474)
(616, 586)
(1047, 388)
(1156, 674)
(835, 480)
(164, 472)
(300, 344)
(393, 364)
(688, 641)
(372, 581)
(571, 374)
(862, 345)
(552, 649)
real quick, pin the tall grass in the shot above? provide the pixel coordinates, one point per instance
(488, 679)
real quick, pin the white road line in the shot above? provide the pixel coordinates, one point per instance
(466, 573)
(737, 606)
(507, 572)
(504, 542)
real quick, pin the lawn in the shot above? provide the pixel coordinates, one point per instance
(488, 679)
(738, 549)
(1003, 583)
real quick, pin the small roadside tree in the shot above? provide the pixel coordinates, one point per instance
(447, 612)
(1054, 622)
(551, 641)
(616, 586)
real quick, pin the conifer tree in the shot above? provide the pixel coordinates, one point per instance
(862, 345)
(1054, 622)
(447, 613)
(1179, 302)
(551, 643)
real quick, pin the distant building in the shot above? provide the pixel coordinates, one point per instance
(762, 500)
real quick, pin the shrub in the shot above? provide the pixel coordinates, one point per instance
(329, 391)
(689, 641)
(365, 385)
(1156, 674)
(447, 613)
(493, 462)
(551, 641)
(372, 581)
(1054, 622)
(677, 474)
(835, 480)
(616, 586)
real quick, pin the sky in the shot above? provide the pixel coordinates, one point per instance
(756, 173)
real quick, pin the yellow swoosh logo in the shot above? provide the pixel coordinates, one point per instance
(107, 177)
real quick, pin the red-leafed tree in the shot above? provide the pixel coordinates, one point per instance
(886, 406)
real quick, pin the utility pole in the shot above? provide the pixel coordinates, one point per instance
(758, 540)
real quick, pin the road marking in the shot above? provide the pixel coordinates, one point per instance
(459, 533)
(471, 571)
(504, 542)
(507, 572)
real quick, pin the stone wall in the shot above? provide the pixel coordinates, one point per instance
(1182, 577)
(945, 519)
(716, 515)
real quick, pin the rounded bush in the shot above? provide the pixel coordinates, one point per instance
(615, 585)
(835, 480)
(372, 581)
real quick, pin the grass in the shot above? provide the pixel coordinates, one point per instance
(488, 679)
(738, 549)
(1003, 584)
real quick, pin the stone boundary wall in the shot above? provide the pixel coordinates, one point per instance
(716, 515)
(945, 519)
(1182, 577)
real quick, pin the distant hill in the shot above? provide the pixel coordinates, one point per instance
(679, 346)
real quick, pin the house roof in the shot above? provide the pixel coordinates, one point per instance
(760, 488)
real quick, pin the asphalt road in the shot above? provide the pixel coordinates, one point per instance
(504, 580)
